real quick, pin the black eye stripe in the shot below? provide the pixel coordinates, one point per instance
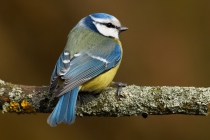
(109, 25)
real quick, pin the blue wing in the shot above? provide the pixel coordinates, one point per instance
(84, 66)
(61, 68)
(76, 70)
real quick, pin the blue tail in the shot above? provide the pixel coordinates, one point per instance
(65, 109)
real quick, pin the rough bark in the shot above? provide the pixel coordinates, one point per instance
(134, 100)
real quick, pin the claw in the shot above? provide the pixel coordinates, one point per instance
(144, 115)
(119, 85)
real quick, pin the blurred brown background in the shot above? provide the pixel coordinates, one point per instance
(167, 44)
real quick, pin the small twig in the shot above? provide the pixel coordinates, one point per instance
(134, 100)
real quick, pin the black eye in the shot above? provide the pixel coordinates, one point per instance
(109, 25)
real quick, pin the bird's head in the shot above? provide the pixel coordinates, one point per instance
(104, 24)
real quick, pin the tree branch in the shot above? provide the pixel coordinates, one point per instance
(134, 100)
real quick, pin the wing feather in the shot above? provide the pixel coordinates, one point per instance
(87, 66)
(61, 68)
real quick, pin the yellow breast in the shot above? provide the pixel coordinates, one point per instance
(102, 81)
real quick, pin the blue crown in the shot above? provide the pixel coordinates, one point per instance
(102, 15)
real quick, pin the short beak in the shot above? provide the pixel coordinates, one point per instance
(123, 28)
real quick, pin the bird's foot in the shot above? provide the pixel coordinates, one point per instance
(119, 85)
(144, 115)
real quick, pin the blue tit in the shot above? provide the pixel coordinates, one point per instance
(88, 63)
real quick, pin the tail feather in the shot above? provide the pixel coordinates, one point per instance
(70, 114)
(65, 109)
(52, 119)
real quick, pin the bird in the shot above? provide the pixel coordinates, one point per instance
(89, 62)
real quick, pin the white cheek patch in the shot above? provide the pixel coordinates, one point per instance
(113, 32)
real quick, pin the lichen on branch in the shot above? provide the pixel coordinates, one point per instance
(133, 101)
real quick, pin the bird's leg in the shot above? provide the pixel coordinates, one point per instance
(119, 85)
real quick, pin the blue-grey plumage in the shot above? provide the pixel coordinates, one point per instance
(93, 52)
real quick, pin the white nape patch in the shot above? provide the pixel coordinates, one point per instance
(113, 32)
(66, 61)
